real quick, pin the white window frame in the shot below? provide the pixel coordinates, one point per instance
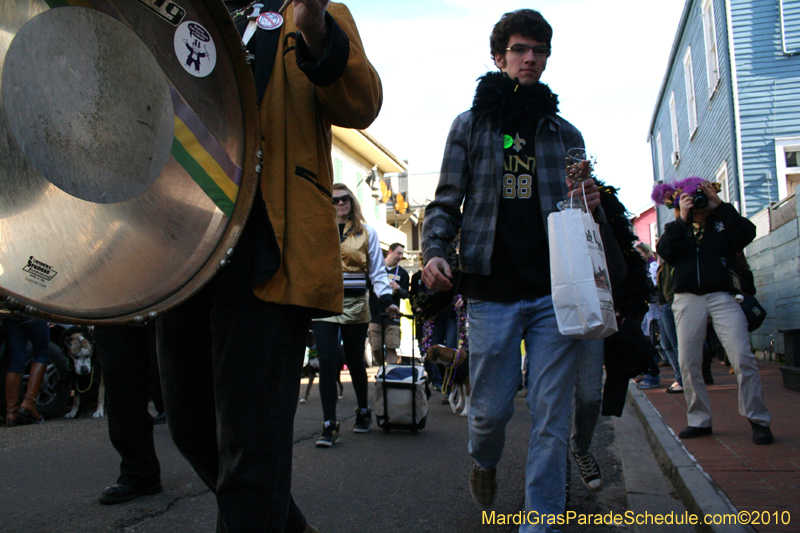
(653, 234)
(660, 156)
(691, 104)
(781, 147)
(791, 26)
(710, 37)
(673, 120)
(721, 177)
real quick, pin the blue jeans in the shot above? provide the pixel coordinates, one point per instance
(18, 334)
(588, 395)
(669, 340)
(495, 334)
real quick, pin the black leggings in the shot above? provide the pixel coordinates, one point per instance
(353, 337)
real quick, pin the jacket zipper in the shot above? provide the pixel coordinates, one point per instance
(698, 267)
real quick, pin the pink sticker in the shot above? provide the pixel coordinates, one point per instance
(269, 21)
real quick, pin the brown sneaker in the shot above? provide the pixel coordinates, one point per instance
(483, 485)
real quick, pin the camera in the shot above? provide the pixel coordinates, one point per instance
(700, 199)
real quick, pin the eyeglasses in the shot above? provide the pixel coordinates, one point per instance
(540, 50)
(345, 198)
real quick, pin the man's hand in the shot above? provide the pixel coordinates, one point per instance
(687, 205)
(436, 274)
(309, 16)
(393, 311)
(591, 190)
(394, 285)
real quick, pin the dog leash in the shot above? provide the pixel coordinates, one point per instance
(91, 379)
(450, 372)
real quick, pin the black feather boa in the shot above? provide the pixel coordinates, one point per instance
(630, 296)
(505, 101)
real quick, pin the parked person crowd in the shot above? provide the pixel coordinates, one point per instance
(504, 260)
(702, 245)
(650, 324)
(362, 264)
(231, 356)
(391, 334)
(18, 332)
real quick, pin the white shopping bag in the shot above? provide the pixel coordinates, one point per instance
(579, 276)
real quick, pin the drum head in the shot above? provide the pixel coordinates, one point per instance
(128, 133)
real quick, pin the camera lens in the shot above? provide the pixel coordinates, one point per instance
(700, 200)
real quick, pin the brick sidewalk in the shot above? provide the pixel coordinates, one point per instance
(754, 478)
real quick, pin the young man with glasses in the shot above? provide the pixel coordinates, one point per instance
(505, 162)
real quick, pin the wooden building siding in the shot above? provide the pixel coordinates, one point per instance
(713, 142)
(769, 96)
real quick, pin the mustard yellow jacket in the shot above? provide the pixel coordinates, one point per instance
(297, 178)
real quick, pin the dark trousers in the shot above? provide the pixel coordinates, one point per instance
(230, 374)
(18, 334)
(128, 361)
(353, 337)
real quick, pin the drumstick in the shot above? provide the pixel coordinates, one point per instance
(284, 6)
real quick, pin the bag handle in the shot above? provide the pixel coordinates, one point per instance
(585, 203)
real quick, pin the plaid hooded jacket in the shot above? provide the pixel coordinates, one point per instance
(471, 174)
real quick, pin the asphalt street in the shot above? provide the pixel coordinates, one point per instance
(52, 474)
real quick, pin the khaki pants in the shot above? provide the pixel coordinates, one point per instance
(391, 339)
(692, 313)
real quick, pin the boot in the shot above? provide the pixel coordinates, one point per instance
(13, 381)
(27, 410)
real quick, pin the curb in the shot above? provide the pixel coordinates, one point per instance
(696, 490)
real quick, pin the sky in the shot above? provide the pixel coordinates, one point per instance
(607, 65)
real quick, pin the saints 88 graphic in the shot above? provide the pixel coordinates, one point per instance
(517, 186)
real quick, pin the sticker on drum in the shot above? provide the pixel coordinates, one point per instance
(40, 271)
(195, 49)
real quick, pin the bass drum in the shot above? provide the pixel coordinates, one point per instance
(128, 154)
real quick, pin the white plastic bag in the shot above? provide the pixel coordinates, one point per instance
(579, 276)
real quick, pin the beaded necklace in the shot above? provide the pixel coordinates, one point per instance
(699, 231)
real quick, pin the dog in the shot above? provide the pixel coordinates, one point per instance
(84, 363)
(311, 368)
(456, 377)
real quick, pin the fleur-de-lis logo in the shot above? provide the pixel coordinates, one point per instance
(720, 227)
(518, 143)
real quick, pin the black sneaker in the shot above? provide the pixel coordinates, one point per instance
(761, 434)
(483, 485)
(330, 434)
(590, 472)
(363, 420)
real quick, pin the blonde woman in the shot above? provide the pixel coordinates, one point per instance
(362, 260)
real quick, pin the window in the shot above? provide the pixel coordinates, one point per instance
(790, 26)
(337, 170)
(710, 34)
(722, 179)
(691, 106)
(787, 165)
(360, 187)
(673, 120)
(660, 155)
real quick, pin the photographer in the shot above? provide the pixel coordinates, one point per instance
(702, 244)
